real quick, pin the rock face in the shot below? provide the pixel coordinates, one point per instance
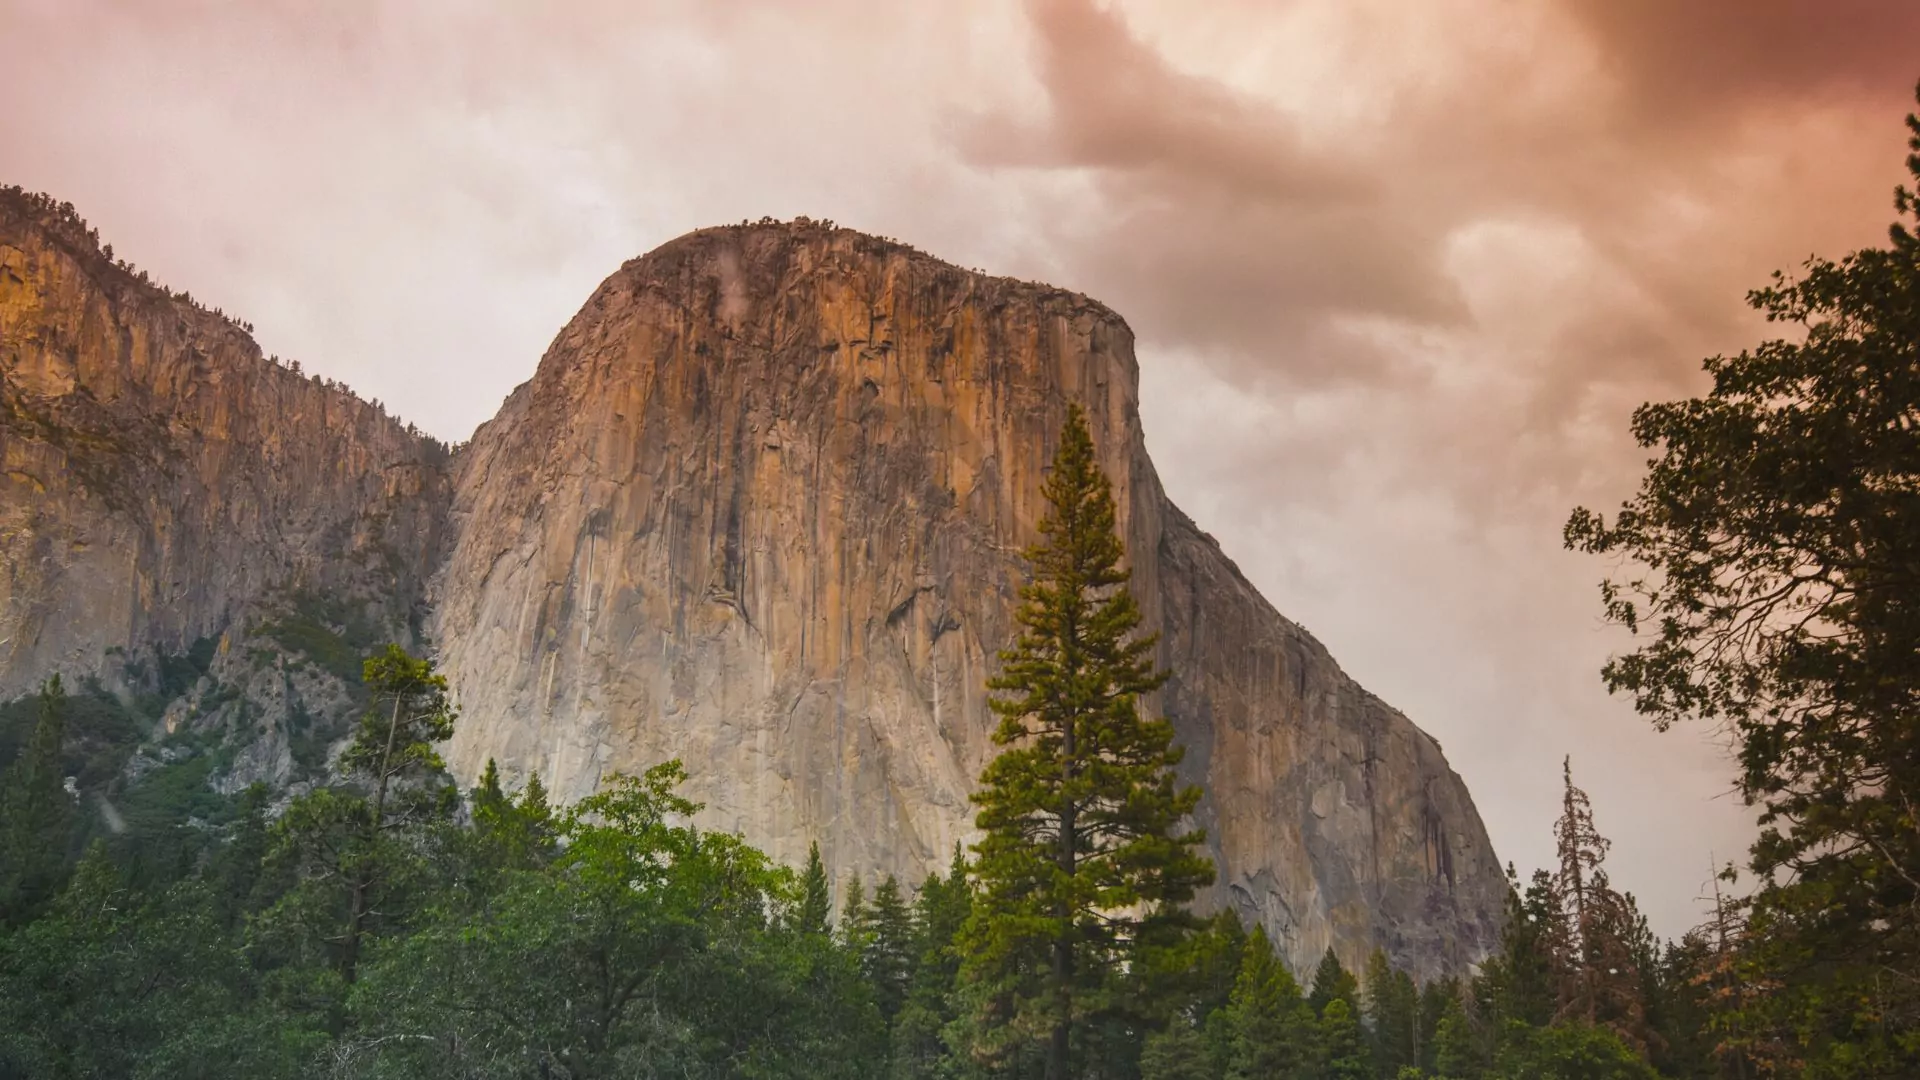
(162, 483)
(761, 509)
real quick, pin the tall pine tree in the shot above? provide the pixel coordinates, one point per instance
(1591, 942)
(1081, 810)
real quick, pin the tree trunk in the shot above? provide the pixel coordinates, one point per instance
(1060, 1047)
(357, 917)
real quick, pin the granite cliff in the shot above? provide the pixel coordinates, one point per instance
(759, 508)
(168, 492)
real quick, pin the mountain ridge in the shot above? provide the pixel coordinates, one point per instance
(759, 381)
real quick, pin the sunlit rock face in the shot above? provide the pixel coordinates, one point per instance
(761, 509)
(162, 482)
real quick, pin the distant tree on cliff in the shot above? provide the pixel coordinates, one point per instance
(1084, 849)
(1778, 532)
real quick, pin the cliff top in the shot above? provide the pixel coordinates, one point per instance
(826, 236)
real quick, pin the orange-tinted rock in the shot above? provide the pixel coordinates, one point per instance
(761, 509)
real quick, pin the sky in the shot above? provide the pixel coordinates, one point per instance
(1399, 272)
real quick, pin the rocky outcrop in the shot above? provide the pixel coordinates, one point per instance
(163, 483)
(761, 509)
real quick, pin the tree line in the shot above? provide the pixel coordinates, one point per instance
(389, 925)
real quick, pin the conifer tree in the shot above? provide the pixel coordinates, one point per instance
(35, 814)
(1272, 1027)
(815, 907)
(1390, 1005)
(1342, 1044)
(346, 842)
(941, 908)
(1517, 985)
(1083, 847)
(1331, 980)
(515, 832)
(1436, 999)
(488, 795)
(853, 917)
(1598, 981)
(1178, 1053)
(1455, 1057)
(888, 958)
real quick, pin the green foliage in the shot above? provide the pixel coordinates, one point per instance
(888, 957)
(1343, 1051)
(1332, 980)
(1083, 853)
(1271, 1026)
(35, 814)
(334, 634)
(1181, 1052)
(1455, 1056)
(816, 905)
(1568, 1052)
(650, 949)
(98, 734)
(1777, 541)
(1391, 1007)
(354, 854)
(110, 984)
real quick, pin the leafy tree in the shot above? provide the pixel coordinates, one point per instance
(1572, 1051)
(1081, 810)
(111, 984)
(36, 814)
(1779, 529)
(1332, 980)
(649, 949)
(1271, 1024)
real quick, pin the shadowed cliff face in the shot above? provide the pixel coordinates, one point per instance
(761, 508)
(161, 482)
